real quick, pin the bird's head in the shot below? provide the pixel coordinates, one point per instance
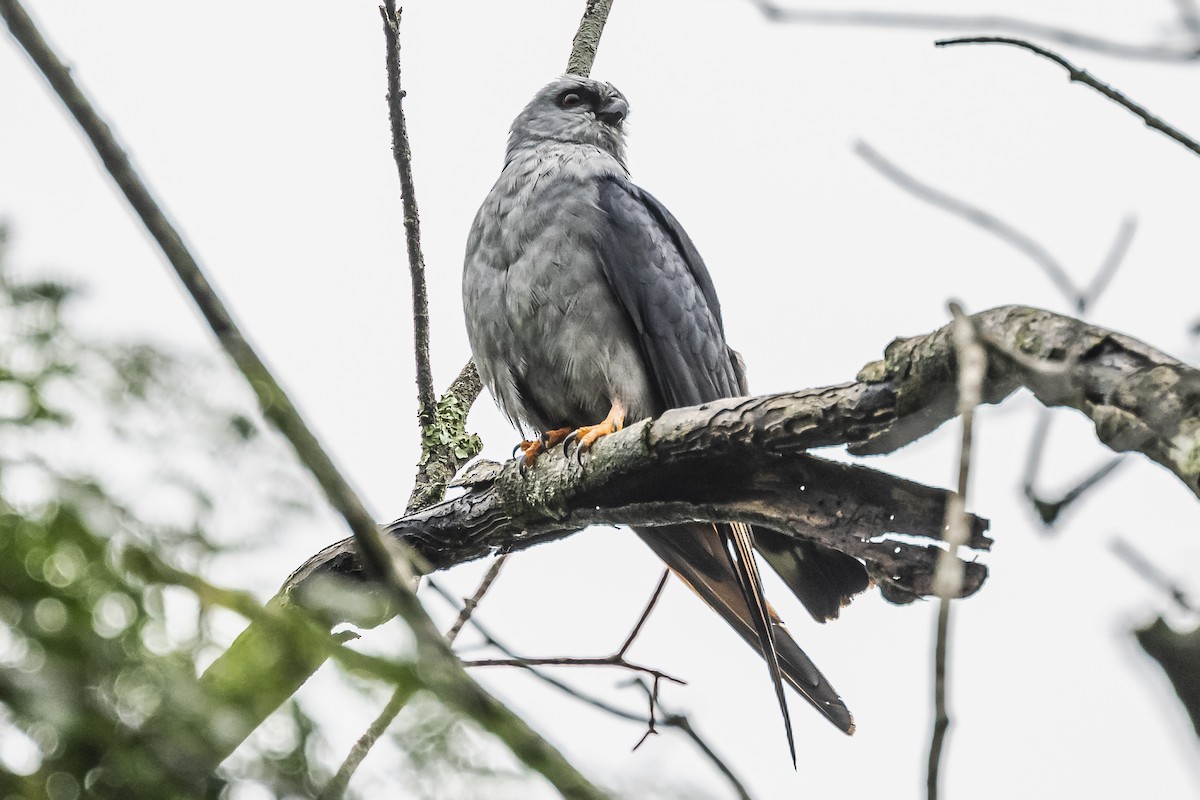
(573, 110)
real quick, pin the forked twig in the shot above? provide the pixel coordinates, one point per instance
(669, 719)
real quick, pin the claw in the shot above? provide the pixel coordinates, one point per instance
(566, 443)
(532, 448)
(586, 436)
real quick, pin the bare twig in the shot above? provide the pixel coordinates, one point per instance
(412, 220)
(336, 788)
(1108, 268)
(972, 370)
(1050, 510)
(614, 660)
(587, 37)
(1152, 574)
(945, 22)
(447, 679)
(670, 719)
(674, 720)
(1080, 298)
(490, 640)
(473, 601)
(1078, 75)
(637, 628)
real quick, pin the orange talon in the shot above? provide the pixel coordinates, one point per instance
(534, 447)
(588, 435)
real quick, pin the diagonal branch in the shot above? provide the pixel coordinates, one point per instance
(446, 677)
(1078, 75)
(973, 214)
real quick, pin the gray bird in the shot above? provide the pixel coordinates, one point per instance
(587, 305)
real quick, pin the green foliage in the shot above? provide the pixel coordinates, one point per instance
(98, 662)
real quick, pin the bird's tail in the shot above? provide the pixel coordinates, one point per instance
(700, 554)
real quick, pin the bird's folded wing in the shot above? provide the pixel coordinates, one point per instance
(824, 580)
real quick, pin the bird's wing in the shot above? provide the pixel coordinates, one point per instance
(662, 283)
(824, 580)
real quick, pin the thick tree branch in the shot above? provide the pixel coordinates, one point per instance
(745, 460)
(1078, 75)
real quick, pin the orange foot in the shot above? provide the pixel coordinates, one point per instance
(588, 435)
(534, 447)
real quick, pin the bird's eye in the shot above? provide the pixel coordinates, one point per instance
(569, 100)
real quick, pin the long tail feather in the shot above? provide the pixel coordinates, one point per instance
(698, 555)
(739, 546)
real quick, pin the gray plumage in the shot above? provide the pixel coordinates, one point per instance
(583, 295)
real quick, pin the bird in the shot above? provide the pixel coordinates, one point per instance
(587, 306)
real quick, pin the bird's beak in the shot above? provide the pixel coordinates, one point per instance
(613, 111)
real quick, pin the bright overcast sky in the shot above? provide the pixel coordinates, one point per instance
(263, 129)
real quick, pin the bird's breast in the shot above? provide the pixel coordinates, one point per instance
(549, 336)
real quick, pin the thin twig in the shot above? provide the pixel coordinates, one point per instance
(473, 601)
(681, 722)
(972, 370)
(1108, 268)
(491, 641)
(1152, 574)
(916, 21)
(587, 37)
(1078, 75)
(336, 788)
(567, 661)
(337, 785)
(671, 719)
(637, 628)
(412, 221)
(1050, 510)
(973, 214)
(446, 677)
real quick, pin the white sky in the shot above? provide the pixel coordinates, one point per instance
(262, 128)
